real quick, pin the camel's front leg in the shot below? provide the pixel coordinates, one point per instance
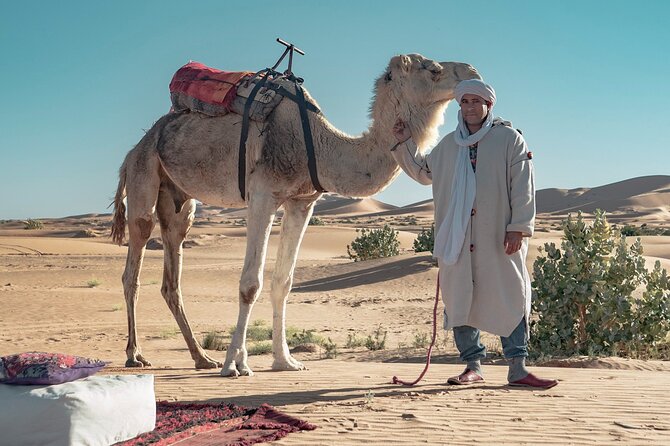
(261, 213)
(294, 223)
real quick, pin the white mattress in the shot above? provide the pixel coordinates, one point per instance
(98, 410)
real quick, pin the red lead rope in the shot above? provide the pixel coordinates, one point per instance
(397, 380)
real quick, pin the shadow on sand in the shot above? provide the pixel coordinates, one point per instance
(354, 274)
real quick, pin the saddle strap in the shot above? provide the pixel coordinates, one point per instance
(242, 162)
(287, 94)
(309, 142)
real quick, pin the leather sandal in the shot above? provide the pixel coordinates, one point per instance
(467, 377)
(535, 382)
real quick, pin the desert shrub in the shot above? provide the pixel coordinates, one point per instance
(425, 241)
(294, 338)
(169, 333)
(629, 231)
(585, 300)
(33, 224)
(374, 244)
(259, 348)
(330, 349)
(643, 229)
(354, 341)
(377, 340)
(214, 341)
(92, 283)
(316, 221)
(256, 331)
(420, 340)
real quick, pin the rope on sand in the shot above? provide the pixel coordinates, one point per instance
(397, 380)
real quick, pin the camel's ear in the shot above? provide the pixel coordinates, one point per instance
(400, 63)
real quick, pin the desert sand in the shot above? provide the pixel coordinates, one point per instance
(60, 289)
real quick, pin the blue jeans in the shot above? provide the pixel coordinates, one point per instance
(471, 349)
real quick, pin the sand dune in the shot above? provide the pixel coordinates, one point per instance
(636, 200)
(637, 197)
(328, 205)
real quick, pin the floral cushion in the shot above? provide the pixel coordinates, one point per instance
(46, 368)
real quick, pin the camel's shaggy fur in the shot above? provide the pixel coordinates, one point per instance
(188, 156)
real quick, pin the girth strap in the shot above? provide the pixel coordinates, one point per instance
(303, 106)
(309, 142)
(242, 163)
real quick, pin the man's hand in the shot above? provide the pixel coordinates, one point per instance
(401, 132)
(513, 242)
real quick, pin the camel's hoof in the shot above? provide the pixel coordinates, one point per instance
(208, 363)
(233, 371)
(288, 365)
(230, 371)
(246, 371)
(138, 363)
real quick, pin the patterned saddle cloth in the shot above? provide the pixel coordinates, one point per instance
(199, 88)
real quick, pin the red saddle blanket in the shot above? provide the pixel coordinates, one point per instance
(198, 87)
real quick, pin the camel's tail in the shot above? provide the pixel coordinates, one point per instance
(119, 219)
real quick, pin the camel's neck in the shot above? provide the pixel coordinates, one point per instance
(357, 167)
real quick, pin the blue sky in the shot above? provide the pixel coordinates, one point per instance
(587, 81)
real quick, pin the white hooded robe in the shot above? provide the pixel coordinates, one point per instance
(486, 288)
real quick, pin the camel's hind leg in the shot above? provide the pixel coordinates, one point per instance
(175, 214)
(142, 184)
(294, 223)
(261, 212)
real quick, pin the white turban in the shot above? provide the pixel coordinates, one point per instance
(477, 87)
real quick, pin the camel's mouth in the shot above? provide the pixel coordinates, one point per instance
(441, 101)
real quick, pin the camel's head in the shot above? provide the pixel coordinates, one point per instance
(418, 90)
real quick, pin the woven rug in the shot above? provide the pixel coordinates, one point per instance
(217, 425)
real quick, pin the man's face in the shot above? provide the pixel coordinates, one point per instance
(474, 109)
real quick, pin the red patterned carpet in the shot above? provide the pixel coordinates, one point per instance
(217, 425)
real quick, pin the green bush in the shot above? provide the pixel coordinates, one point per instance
(294, 338)
(214, 341)
(259, 348)
(643, 229)
(316, 221)
(374, 244)
(330, 349)
(420, 340)
(257, 331)
(585, 300)
(425, 241)
(33, 224)
(92, 283)
(354, 341)
(376, 341)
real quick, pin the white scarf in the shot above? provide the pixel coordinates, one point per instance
(451, 232)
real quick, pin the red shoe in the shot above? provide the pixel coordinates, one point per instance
(535, 382)
(467, 377)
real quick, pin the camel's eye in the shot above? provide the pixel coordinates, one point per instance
(431, 66)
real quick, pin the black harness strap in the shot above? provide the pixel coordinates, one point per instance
(303, 106)
(242, 163)
(309, 142)
(287, 94)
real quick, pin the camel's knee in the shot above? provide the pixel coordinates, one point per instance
(249, 293)
(281, 288)
(145, 225)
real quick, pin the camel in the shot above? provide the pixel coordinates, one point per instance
(189, 156)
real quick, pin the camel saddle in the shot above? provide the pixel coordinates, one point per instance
(197, 87)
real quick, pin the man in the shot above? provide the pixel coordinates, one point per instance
(484, 194)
